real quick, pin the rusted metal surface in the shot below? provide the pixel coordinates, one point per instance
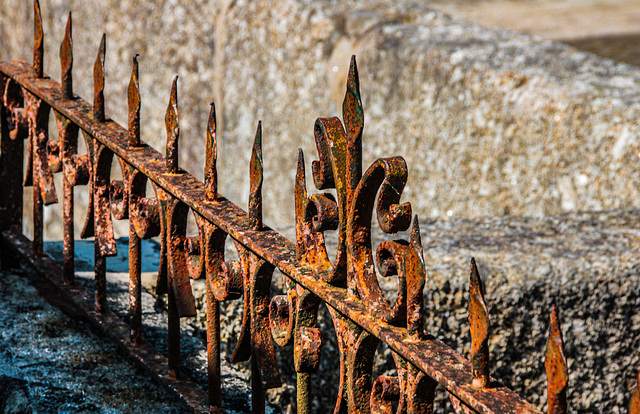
(347, 283)
(556, 366)
(479, 321)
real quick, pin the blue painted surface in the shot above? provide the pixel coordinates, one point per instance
(119, 263)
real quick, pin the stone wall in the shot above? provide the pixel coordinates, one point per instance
(489, 121)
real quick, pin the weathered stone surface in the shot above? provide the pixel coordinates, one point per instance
(489, 121)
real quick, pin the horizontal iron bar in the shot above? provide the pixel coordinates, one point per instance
(110, 324)
(433, 357)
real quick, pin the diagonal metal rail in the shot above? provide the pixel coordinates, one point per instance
(347, 284)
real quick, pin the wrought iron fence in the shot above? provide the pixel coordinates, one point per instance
(347, 285)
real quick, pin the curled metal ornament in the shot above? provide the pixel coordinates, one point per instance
(15, 111)
(255, 340)
(119, 194)
(144, 213)
(411, 390)
(405, 260)
(173, 274)
(389, 175)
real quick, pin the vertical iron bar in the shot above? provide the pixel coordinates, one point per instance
(257, 391)
(100, 270)
(135, 282)
(213, 349)
(38, 213)
(135, 290)
(38, 41)
(304, 392)
(173, 341)
(69, 141)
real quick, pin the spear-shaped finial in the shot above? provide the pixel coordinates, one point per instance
(255, 181)
(98, 81)
(353, 116)
(211, 158)
(38, 40)
(556, 366)
(66, 61)
(133, 99)
(415, 283)
(479, 321)
(172, 123)
(300, 205)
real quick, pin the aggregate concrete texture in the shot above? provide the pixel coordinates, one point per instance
(490, 121)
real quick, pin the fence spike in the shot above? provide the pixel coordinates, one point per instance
(98, 81)
(480, 327)
(415, 279)
(255, 177)
(634, 404)
(556, 366)
(172, 123)
(353, 116)
(211, 158)
(66, 60)
(133, 100)
(38, 41)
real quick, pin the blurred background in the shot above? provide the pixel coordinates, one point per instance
(491, 122)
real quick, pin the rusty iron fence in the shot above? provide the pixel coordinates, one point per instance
(347, 285)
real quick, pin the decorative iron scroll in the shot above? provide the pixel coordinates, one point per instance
(347, 283)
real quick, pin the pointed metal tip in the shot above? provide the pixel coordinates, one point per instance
(211, 123)
(474, 279)
(211, 156)
(300, 192)
(133, 101)
(98, 81)
(555, 331)
(480, 326)
(255, 181)
(300, 170)
(556, 367)
(66, 60)
(257, 142)
(416, 238)
(172, 123)
(352, 111)
(353, 72)
(38, 41)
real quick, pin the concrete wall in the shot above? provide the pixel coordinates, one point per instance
(489, 121)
